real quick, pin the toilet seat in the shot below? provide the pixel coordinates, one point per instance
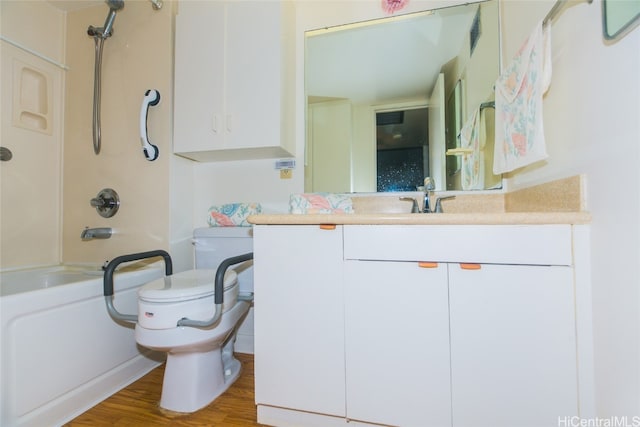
(189, 294)
(185, 286)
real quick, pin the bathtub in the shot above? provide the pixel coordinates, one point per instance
(60, 351)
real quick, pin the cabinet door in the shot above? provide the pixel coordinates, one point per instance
(513, 345)
(397, 343)
(230, 75)
(199, 76)
(299, 318)
(253, 73)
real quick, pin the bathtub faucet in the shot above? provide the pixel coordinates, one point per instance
(96, 233)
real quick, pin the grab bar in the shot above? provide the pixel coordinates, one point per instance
(218, 289)
(108, 279)
(218, 292)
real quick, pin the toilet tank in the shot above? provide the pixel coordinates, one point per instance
(215, 244)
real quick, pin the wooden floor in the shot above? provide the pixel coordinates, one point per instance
(137, 405)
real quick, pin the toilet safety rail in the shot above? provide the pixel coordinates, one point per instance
(218, 290)
(218, 293)
(108, 279)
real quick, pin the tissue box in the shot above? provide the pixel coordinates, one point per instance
(232, 214)
(320, 203)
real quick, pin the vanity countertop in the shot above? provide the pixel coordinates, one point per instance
(497, 218)
(556, 202)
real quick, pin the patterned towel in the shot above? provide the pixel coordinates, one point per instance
(320, 203)
(232, 215)
(519, 90)
(472, 137)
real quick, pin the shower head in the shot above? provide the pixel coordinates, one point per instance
(114, 5)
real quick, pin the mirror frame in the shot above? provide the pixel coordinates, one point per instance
(618, 18)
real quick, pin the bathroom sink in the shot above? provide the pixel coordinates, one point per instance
(390, 204)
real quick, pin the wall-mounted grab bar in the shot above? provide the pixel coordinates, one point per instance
(557, 9)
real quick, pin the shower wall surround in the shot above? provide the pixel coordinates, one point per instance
(137, 57)
(63, 173)
(31, 127)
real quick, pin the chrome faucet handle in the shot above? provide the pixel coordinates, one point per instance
(438, 208)
(414, 206)
(106, 203)
(99, 202)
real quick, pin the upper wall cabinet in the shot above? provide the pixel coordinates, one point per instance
(232, 93)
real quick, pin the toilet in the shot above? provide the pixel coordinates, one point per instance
(200, 362)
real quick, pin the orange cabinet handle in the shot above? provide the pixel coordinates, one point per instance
(470, 266)
(327, 226)
(427, 264)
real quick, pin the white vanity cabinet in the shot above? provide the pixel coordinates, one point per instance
(299, 319)
(421, 325)
(230, 93)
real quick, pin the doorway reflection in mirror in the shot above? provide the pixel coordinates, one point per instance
(402, 151)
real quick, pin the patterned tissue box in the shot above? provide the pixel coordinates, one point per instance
(232, 214)
(320, 203)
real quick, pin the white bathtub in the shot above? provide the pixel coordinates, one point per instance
(61, 352)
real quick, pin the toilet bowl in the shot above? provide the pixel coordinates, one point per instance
(200, 363)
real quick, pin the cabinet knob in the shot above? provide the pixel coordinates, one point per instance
(427, 264)
(327, 226)
(470, 266)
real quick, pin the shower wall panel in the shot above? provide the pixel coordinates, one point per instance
(30, 187)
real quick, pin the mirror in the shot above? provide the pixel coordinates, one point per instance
(445, 60)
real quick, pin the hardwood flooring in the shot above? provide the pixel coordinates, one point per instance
(138, 405)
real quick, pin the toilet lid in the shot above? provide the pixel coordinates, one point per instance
(187, 285)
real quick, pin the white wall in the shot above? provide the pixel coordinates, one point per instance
(592, 127)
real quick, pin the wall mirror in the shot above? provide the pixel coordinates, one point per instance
(445, 60)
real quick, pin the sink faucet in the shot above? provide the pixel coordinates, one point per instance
(429, 186)
(96, 233)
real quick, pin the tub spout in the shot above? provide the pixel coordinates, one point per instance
(96, 233)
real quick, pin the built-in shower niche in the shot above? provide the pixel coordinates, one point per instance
(32, 98)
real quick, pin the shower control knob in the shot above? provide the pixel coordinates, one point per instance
(106, 203)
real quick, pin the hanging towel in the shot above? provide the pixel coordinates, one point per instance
(320, 203)
(232, 214)
(519, 132)
(472, 142)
